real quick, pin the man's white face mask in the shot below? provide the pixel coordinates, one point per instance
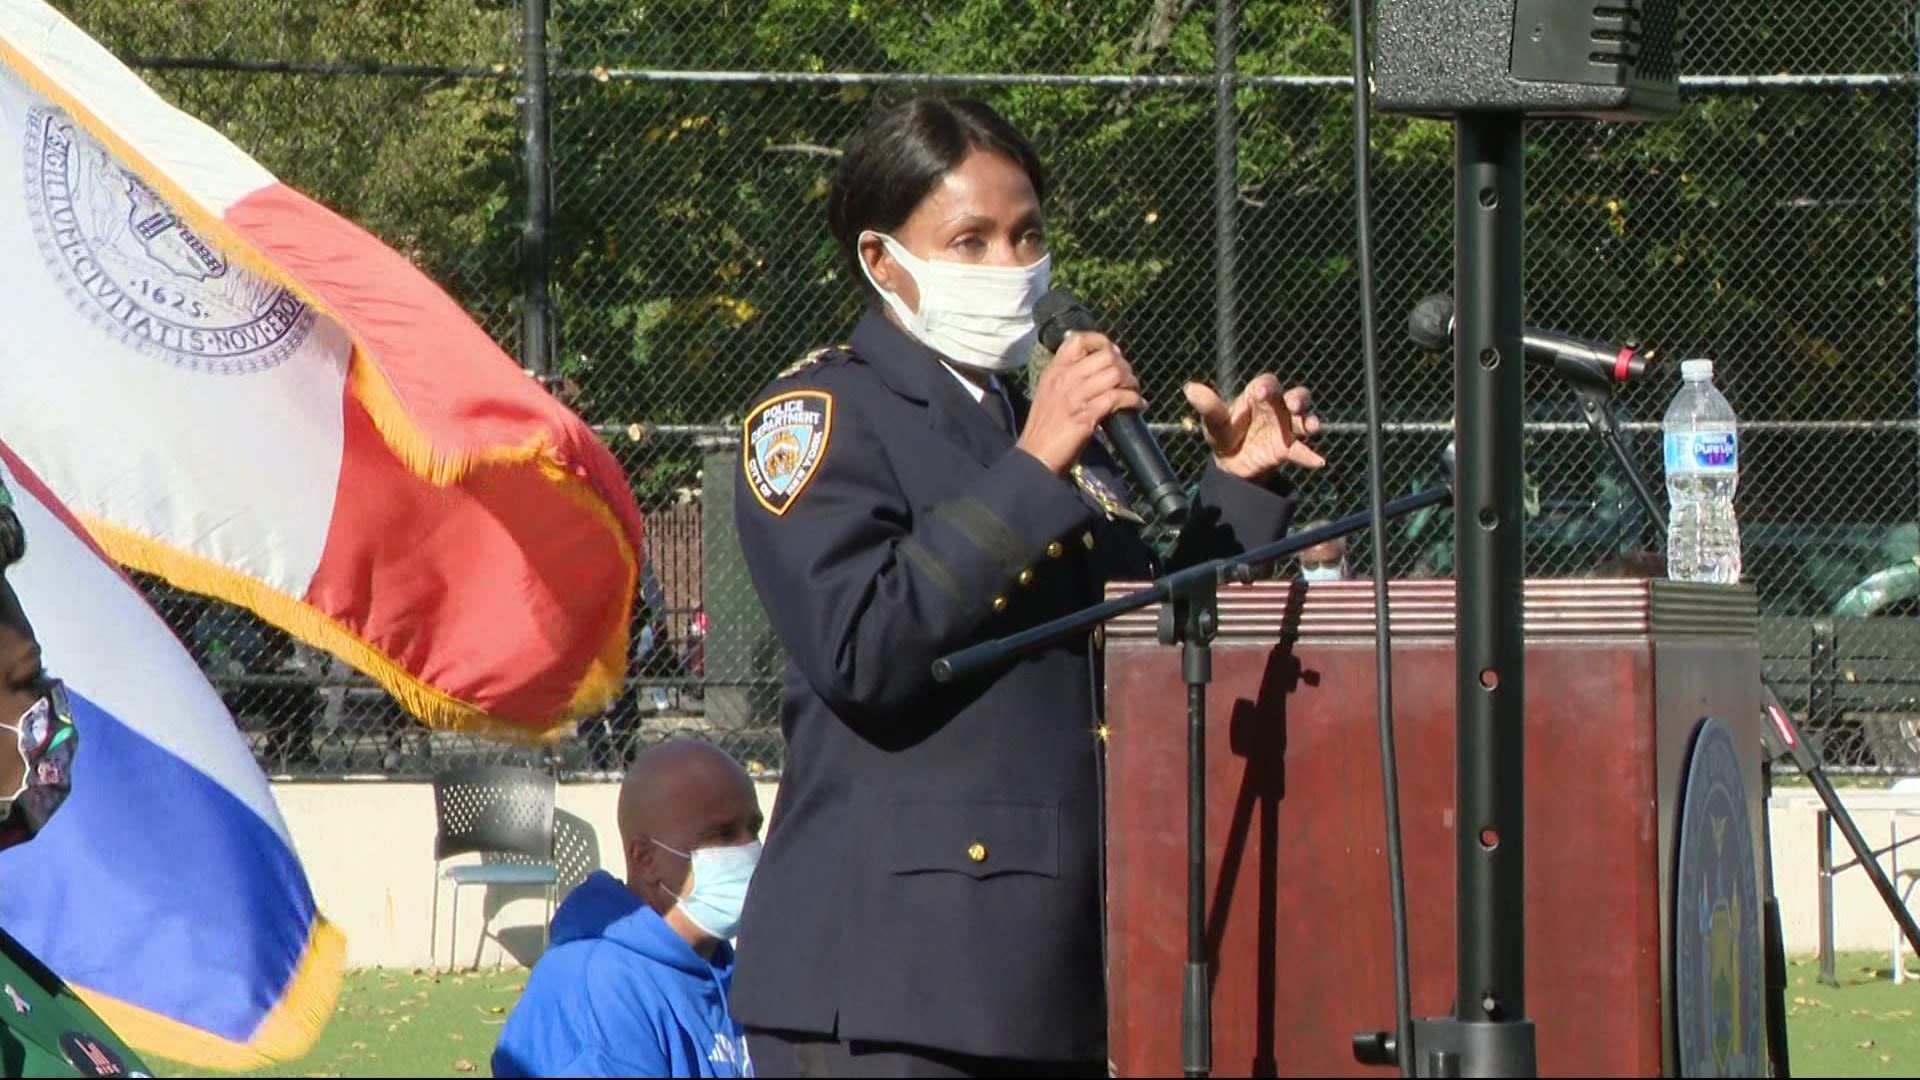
(976, 316)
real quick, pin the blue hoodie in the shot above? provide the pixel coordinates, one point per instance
(618, 993)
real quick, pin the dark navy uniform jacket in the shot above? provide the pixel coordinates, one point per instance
(931, 868)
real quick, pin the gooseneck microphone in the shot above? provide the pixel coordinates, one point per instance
(1060, 313)
(1577, 360)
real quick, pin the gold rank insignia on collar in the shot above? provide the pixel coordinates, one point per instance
(1110, 501)
(809, 360)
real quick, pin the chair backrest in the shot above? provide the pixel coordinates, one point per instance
(493, 808)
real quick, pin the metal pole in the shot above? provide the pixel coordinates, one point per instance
(1823, 851)
(1913, 28)
(535, 330)
(1226, 195)
(1488, 521)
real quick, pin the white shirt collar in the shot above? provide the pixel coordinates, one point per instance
(979, 392)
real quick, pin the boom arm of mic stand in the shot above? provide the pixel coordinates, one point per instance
(1233, 568)
(1594, 404)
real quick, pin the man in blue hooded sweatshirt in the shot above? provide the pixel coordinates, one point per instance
(635, 981)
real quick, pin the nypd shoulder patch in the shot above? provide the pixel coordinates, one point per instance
(785, 440)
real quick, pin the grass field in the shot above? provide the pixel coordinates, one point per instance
(403, 1023)
(418, 1024)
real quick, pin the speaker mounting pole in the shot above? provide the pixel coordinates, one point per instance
(1488, 65)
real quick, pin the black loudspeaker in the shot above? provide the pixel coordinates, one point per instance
(1589, 59)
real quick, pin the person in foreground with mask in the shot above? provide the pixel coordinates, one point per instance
(929, 900)
(635, 981)
(45, 1029)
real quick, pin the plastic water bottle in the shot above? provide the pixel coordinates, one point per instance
(1702, 446)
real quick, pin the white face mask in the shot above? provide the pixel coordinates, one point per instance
(1334, 572)
(976, 316)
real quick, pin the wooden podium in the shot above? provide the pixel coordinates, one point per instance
(1619, 676)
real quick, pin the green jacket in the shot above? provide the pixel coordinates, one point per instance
(46, 1030)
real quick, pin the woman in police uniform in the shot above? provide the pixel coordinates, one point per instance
(928, 900)
(45, 1029)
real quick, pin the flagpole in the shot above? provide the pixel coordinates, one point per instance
(536, 333)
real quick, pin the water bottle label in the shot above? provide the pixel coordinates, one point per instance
(1703, 451)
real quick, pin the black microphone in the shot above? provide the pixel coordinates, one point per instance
(1578, 360)
(1060, 313)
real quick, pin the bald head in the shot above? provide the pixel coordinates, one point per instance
(666, 781)
(678, 796)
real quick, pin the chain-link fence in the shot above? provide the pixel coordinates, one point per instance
(1771, 226)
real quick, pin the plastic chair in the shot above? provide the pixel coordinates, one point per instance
(1904, 878)
(493, 810)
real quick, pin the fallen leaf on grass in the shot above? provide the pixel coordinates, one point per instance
(1865, 1044)
(1897, 1014)
(1863, 1012)
(463, 1065)
(359, 1045)
(456, 1036)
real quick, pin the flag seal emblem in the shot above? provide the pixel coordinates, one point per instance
(786, 436)
(132, 266)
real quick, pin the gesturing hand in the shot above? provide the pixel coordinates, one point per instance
(1087, 382)
(1261, 430)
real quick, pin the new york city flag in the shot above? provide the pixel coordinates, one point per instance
(243, 393)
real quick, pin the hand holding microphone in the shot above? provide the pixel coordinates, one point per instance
(1097, 389)
(1088, 381)
(1089, 386)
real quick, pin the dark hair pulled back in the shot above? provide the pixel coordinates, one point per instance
(903, 153)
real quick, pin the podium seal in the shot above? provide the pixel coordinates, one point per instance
(1718, 969)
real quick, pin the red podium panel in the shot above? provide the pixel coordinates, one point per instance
(1619, 675)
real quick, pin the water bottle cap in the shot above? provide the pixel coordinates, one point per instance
(1696, 370)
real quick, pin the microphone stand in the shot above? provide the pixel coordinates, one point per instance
(1784, 736)
(1189, 617)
